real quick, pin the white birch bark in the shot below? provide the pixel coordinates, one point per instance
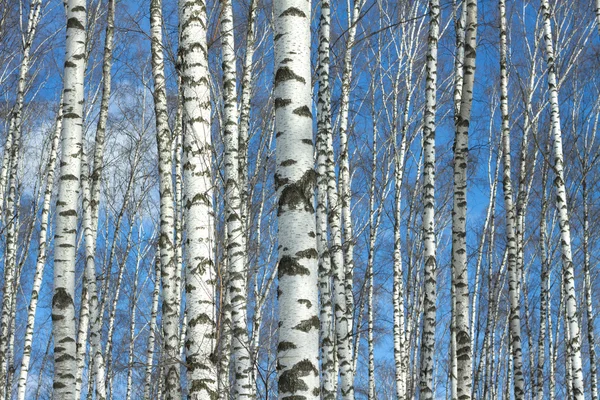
(63, 307)
(41, 259)
(199, 217)
(344, 300)
(298, 347)
(327, 341)
(170, 310)
(8, 179)
(427, 390)
(460, 279)
(152, 325)
(588, 293)
(236, 246)
(513, 287)
(572, 321)
(90, 296)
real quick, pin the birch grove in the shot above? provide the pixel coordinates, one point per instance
(299, 199)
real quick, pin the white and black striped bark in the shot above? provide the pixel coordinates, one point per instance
(8, 179)
(345, 300)
(460, 279)
(236, 245)
(90, 296)
(588, 292)
(41, 258)
(298, 346)
(152, 326)
(199, 214)
(572, 321)
(170, 310)
(429, 239)
(511, 240)
(63, 307)
(327, 340)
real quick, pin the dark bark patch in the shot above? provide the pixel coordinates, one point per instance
(303, 111)
(290, 381)
(299, 195)
(290, 267)
(61, 299)
(74, 23)
(308, 324)
(294, 12)
(285, 346)
(285, 74)
(279, 102)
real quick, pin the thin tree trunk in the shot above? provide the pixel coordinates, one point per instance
(41, 259)
(63, 306)
(8, 179)
(148, 384)
(199, 214)
(588, 293)
(298, 347)
(513, 287)
(327, 341)
(236, 246)
(344, 325)
(429, 256)
(170, 310)
(460, 279)
(562, 207)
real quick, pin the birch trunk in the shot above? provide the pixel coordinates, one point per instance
(63, 307)
(8, 179)
(544, 288)
(152, 334)
(429, 256)
(199, 217)
(298, 347)
(562, 207)
(460, 279)
(588, 293)
(236, 246)
(513, 287)
(41, 259)
(327, 341)
(344, 325)
(90, 296)
(170, 310)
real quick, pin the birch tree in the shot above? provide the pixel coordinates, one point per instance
(429, 256)
(197, 147)
(298, 348)
(63, 306)
(572, 322)
(170, 316)
(460, 281)
(513, 281)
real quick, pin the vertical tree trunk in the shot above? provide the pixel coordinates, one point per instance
(298, 348)
(63, 306)
(8, 179)
(513, 287)
(327, 345)
(460, 279)
(170, 310)
(572, 321)
(236, 245)
(41, 259)
(429, 256)
(152, 334)
(199, 217)
(588, 293)
(344, 325)
(544, 288)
